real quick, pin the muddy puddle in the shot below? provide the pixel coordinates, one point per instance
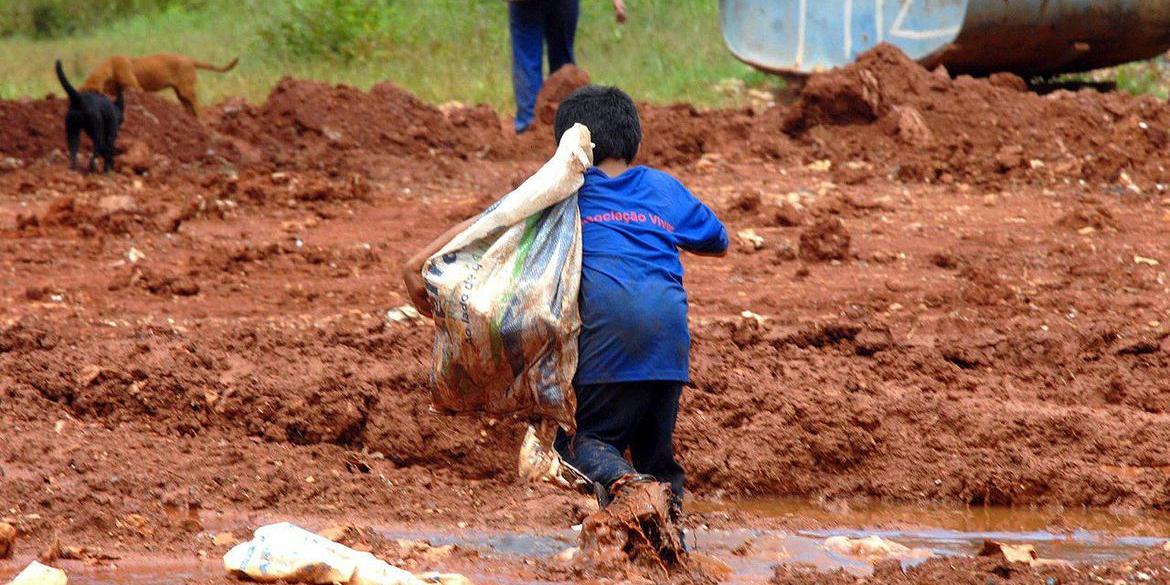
(1080, 536)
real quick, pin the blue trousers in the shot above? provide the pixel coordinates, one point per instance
(532, 24)
(611, 418)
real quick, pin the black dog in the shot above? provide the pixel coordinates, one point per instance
(98, 116)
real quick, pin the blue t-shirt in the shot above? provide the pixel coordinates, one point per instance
(633, 306)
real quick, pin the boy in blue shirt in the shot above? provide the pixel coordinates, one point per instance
(634, 344)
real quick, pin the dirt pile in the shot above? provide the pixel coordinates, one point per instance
(556, 88)
(312, 123)
(34, 129)
(887, 110)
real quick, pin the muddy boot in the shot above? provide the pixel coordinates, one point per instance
(635, 527)
(606, 495)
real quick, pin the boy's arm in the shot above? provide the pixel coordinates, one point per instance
(412, 271)
(700, 232)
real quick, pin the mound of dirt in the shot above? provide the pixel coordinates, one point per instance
(310, 123)
(824, 241)
(164, 127)
(679, 134)
(919, 125)
(556, 88)
(33, 129)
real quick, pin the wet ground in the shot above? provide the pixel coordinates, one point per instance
(1094, 537)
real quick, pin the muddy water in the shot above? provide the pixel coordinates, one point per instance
(1085, 536)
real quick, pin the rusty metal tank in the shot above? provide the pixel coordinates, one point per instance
(1027, 37)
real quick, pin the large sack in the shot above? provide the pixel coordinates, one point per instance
(504, 293)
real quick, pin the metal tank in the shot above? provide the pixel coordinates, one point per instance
(1028, 37)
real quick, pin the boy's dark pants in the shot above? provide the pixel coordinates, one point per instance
(611, 418)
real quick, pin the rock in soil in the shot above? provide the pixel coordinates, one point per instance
(824, 241)
(7, 540)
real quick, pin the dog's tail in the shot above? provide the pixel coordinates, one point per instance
(73, 95)
(210, 67)
(120, 100)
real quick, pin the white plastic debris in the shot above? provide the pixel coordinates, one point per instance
(445, 579)
(872, 548)
(750, 239)
(542, 464)
(403, 313)
(820, 166)
(752, 316)
(1144, 260)
(38, 574)
(290, 553)
(134, 255)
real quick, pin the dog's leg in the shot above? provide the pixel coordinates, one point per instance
(109, 147)
(185, 91)
(97, 135)
(73, 137)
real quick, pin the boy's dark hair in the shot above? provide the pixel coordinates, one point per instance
(611, 117)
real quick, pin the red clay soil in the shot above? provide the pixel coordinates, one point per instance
(1151, 567)
(208, 331)
(919, 125)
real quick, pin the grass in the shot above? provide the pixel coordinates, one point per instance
(442, 50)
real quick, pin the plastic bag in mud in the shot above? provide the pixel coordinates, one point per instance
(286, 552)
(504, 293)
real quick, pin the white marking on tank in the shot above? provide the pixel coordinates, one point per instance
(917, 35)
(800, 33)
(848, 28)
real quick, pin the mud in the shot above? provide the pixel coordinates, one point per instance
(202, 335)
(1148, 567)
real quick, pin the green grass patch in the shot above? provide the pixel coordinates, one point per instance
(442, 50)
(53, 18)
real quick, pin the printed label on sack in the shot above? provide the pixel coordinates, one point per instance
(474, 267)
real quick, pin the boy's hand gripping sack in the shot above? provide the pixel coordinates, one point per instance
(504, 294)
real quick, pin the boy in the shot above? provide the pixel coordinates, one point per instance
(634, 345)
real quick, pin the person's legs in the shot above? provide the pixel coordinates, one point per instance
(606, 414)
(526, 25)
(652, 445)
(560, 30)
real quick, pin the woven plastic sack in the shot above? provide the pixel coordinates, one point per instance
(504, 293)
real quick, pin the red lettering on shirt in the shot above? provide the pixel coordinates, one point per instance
(618, 216)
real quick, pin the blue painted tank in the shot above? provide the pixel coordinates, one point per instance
(1028, 37)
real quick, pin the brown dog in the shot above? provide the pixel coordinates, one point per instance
(152, 73)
